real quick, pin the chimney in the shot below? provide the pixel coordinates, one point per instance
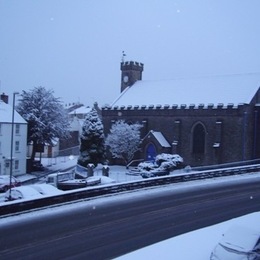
(4, 97)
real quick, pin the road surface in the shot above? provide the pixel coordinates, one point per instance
(108, 227)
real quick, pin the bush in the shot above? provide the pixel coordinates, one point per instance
(163, 162)
(175, 159)
(146, 166)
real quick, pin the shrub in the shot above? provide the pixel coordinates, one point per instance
(163, 162)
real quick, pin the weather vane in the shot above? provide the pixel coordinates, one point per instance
(123, 56)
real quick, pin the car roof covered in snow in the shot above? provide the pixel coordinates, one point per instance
(46, 189)
(240, 238)
(27, 192)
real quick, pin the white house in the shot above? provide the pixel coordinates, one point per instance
(19, 141)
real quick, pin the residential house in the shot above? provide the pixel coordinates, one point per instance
(19, 140)
(76, 119)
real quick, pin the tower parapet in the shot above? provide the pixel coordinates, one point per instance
(132, 65)
(131, 72)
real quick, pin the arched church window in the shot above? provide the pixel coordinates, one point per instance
(199, 134)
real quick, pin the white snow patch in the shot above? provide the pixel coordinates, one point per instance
(196, 245)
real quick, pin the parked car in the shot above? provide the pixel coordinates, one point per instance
(37, 166)
(46, 189)
(238, 243)
(23, 192)
(5, 182)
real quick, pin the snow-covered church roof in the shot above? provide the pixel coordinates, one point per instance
(6, 114)
(228, 89)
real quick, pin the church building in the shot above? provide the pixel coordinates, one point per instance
(206, 120)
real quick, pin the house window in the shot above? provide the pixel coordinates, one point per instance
(17, 129)
(17, 146)
(198, 145)
(16, 164)
(0, 129)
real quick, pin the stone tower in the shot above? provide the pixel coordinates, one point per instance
(131, 72)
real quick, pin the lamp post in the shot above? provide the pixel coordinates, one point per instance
(12, 141)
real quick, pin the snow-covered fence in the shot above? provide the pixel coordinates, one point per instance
(69, 151)
(16, 207)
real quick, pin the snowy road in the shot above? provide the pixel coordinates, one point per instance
(105, 228)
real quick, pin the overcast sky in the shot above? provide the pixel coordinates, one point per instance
(74, 47)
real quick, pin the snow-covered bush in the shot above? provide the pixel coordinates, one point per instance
(175, 160)
(167, 166)
(146, 166)
(163, 162)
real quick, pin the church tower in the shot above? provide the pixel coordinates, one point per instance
(131, 72)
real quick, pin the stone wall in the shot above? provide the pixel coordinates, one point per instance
(229, 131)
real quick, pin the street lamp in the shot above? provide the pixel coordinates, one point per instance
(12, 141)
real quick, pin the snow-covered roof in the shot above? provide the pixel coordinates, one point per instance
(228, 89)
(6, 114)
(160, 138)
(81, 110)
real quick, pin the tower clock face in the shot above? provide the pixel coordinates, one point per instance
(125, 79)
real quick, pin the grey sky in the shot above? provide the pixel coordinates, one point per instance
(75, 46)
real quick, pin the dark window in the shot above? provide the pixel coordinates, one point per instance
(198, 139)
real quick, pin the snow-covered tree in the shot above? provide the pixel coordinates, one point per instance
(46, 117)
(123, 140)
(92, 147)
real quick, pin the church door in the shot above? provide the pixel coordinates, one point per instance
(150, 152)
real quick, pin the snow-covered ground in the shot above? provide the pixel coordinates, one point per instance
(116, 172)
(196, 245)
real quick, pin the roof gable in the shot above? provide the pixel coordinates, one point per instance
(159, 137)
(229, 89)
(6, 114)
